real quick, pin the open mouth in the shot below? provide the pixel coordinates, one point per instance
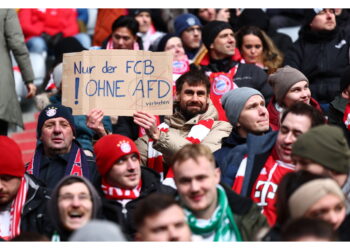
(75, 214)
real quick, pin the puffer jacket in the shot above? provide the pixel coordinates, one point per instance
(170, 142)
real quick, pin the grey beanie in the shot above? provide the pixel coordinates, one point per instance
(283, 79)
(234, 100)
(98, 230)
(325, 145)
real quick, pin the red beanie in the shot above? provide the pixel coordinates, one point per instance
(11, 162)
(110, 148)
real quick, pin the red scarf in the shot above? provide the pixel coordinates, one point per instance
(346, 117)
(114, 193)
(265, 186)
(155, 158)
(16, 210)
(221, 83)
(74, 165)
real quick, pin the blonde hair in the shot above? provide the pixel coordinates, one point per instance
(193, 151)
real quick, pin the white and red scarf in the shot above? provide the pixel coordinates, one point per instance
(16, 211)
(221, 83)
(155, 158)
(346, 117)
(114, 193)
(265, 186)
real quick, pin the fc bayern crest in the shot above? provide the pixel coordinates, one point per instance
(191, 21)
(124, 146)
(221, 84)
(50, 112)
(180, 67)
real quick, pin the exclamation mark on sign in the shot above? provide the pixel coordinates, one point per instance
(76, 90)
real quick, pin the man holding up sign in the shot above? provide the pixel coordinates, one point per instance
(195, 120)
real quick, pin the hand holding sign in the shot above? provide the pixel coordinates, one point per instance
(149, 123)
(118, 82)
(94, 122)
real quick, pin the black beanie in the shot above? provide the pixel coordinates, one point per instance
(54, 111)
(164, 40)
(309, 15)
(211, 30)
(253, 17)
(345, 79)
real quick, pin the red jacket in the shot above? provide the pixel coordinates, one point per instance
(52, 21)
(274, 114)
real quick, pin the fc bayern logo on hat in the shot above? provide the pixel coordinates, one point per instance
(190, 21)
(51, 111)
(222, 84)
(124, 146)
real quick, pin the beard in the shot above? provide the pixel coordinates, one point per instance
(189, 114)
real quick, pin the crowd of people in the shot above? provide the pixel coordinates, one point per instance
(257, 147)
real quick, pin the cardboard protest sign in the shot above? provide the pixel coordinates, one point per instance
(119, 82)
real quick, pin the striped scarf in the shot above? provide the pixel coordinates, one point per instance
(114, 193)
(77, 163)
(16, 210)
(197, 133)
(222, 223)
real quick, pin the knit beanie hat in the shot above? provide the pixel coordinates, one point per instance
(211, 30)
(309, 15)
(253, 17)
(345, 79)
(54, 111)
(184, 21)
(110, 148)
(164, 40)
(234, 100)
(11, 162)
(309, 193)
(325, 145)
(283, 79)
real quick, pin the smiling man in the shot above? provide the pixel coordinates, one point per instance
(58, 153)
(73, 204)
(124, 182)
(195, 120)
(213, 211)
(255, 169)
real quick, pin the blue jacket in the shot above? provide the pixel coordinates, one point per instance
(258, 148)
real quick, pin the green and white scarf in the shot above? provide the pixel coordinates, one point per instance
(222, 221)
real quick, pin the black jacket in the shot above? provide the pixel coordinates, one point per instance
(247, 75)
(34, 216)
(322, 57)
(114, 211)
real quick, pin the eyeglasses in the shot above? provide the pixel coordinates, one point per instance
(70, 197)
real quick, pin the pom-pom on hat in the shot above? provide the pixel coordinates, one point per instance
(110, 148)
(11, 162)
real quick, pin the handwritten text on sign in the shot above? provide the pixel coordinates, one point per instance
(118, 81)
